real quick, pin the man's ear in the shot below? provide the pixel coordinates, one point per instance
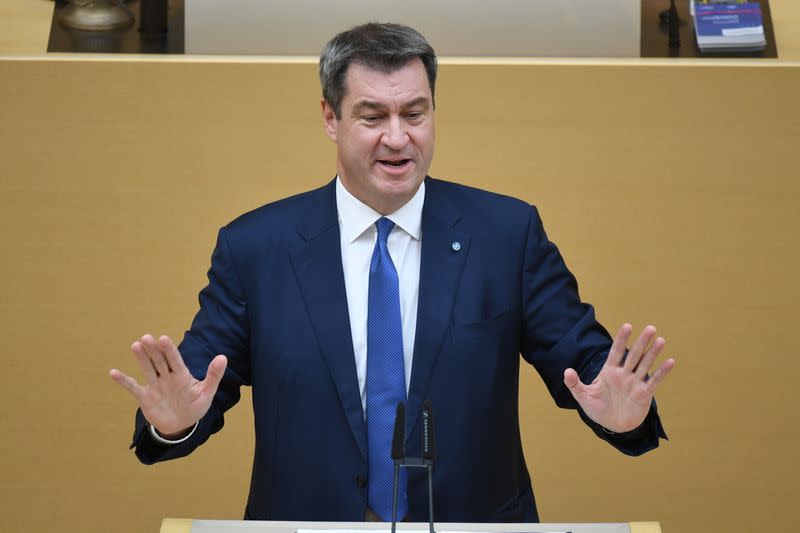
(329, 119)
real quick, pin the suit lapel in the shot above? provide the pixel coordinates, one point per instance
(444, 251)
(318, 268)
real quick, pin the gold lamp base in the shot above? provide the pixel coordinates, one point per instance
(96, 15)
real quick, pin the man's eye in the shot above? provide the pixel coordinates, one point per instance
(414, 115)
(371, 118)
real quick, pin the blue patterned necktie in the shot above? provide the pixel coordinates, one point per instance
(386, 383)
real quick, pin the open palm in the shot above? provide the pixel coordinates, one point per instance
(619, 397)
(172, 400)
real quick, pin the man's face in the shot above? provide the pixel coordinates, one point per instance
(384, 137)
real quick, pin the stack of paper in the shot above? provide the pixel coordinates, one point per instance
(732, 26)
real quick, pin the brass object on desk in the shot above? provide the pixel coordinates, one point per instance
(96, 15)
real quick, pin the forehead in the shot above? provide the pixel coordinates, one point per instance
(409, 82)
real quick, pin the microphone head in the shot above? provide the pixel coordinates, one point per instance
(399, 435)
(428, 444)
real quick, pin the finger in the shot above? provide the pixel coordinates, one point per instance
(144, 361)
(128, 383)
(662, 372)
(650, 357)
(173, 356)
(639, 347)
(156, 355)
(216, 369)
(574, 384)
(619, 346)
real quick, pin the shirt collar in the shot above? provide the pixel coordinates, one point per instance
(355, 217)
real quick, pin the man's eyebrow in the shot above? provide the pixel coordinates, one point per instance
(370, 105)
(421, 101)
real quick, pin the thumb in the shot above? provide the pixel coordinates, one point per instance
(573, 382)
(216, 369)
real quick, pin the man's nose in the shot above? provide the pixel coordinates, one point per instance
(395, 135)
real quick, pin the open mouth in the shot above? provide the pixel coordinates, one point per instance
(394, 164)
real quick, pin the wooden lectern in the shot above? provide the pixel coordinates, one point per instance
(187, 525)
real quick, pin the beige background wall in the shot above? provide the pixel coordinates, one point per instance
(670, 189)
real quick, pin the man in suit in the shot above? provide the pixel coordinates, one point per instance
(384, 286)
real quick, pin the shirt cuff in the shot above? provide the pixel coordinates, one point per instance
(162, 440)
(623, 433)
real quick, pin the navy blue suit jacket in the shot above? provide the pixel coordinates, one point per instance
(276, 306)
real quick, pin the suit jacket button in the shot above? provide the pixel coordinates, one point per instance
(361, 482)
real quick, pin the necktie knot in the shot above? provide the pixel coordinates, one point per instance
(384, 227)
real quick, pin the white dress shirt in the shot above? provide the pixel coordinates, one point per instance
(358, 235)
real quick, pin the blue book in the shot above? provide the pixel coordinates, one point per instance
(729, 27)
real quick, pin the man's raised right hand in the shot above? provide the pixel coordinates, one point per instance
(172, 401)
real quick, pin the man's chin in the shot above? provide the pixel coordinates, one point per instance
(395, 193)
(393, 185)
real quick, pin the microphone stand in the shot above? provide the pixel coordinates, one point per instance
(426, 461)
(428, 454)
(398, 454)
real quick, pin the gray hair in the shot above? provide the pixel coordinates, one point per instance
(378, 46)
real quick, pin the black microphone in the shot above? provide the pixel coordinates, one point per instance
(399, 435)
(398, 454)
(674, 26)
(428, 445)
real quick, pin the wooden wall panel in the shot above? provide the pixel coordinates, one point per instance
(670, 189)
